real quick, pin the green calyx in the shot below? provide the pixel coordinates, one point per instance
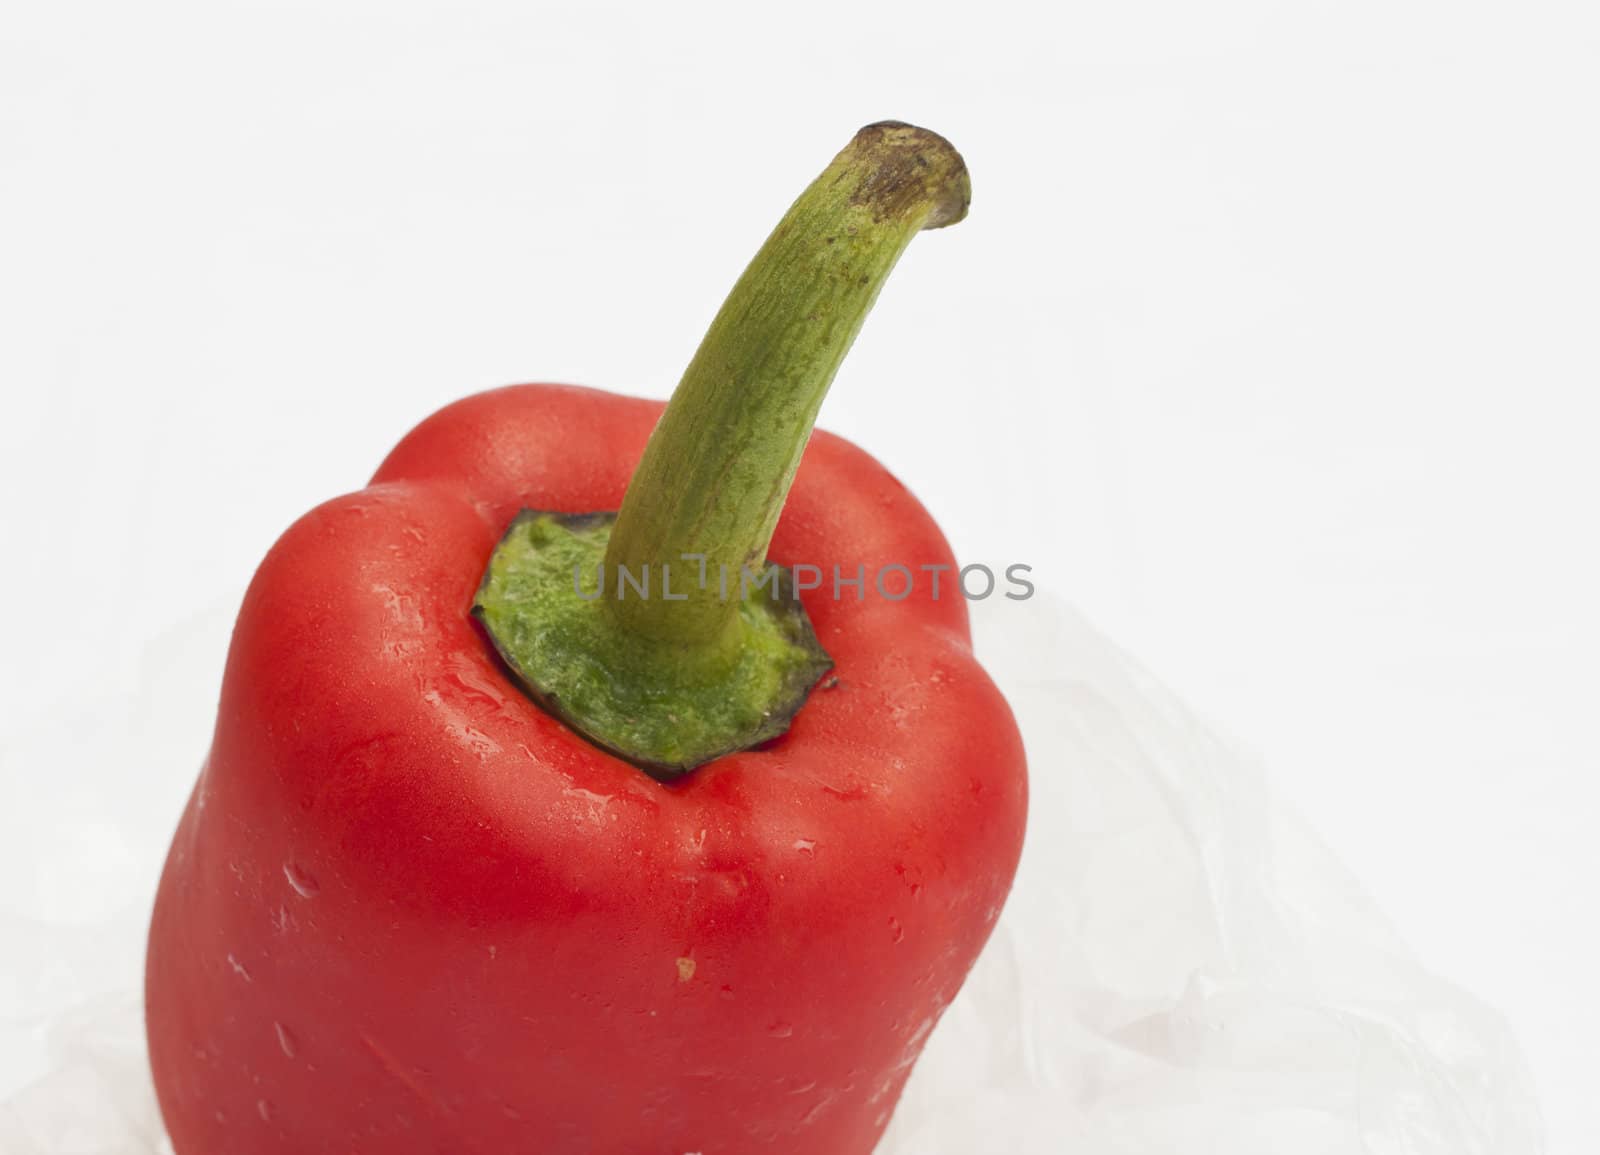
(547, 602)
(670, 648)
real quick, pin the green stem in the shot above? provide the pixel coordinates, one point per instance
(719, 465)
(672, 681)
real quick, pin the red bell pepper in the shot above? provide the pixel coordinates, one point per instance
(410, 910)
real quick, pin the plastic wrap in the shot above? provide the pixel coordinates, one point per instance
(1182, 968)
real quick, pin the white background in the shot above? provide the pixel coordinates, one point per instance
(1270, 341)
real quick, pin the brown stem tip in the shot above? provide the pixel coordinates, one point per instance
(904, 167)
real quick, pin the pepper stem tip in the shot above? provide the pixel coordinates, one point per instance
(903, 166)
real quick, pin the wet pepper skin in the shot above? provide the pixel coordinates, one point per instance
(409, 913)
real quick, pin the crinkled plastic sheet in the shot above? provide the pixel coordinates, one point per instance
(1182, 968)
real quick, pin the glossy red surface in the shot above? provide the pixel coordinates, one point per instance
(408, 912)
